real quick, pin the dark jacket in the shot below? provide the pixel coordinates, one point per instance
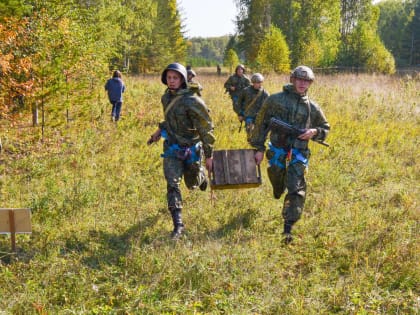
(115, 88)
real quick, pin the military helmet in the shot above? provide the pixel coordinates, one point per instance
(240, 66)
(178, 68)
(257, 78)
(191, 72)
(303, 72)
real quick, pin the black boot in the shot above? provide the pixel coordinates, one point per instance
(178, 225)
(287, 232)
(203, 185)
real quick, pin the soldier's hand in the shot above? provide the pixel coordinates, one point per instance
(309, 133)
(154, 137)
(232, 88)
(241, 118)
(259, 156)
(209, 164)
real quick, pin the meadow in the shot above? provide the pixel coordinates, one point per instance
(100, 241)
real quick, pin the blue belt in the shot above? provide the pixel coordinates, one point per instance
(249, 120)
(297, 156)
(187, 154)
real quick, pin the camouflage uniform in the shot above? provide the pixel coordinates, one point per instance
(300, 112)
(193, 85)
(239, 82)
(187, 125)
(248, 108)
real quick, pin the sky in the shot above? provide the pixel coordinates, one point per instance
(208, 18)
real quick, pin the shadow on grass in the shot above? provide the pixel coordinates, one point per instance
(108, 248)
(240, 221)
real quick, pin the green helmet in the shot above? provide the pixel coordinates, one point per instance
(257, 78)
(303, 72)
(178, 68)
(240, 67)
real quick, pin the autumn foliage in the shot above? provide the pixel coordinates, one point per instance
(16, 79)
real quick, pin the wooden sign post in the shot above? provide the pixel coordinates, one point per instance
(15, 221)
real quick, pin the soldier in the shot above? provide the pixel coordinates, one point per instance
(236, 82)
(188, 132)
(250, 101)
(288, 156)
(115, 88)
(193, 85)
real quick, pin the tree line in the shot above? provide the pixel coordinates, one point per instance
(53, 52)
(325, 33)
(57, 51)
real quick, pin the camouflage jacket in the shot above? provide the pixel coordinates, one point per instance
(238, 82)
(246, 106)
(294, 109)
(195, 87)
(187, 121)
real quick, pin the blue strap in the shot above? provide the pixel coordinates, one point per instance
(187, 154)
(297, 156)
(278, 153)
(249, 120)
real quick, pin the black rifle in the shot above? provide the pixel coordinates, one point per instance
(290, 130)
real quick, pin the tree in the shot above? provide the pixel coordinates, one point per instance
(310, 28)
(361, 45)
(254, 22)
(394, 28)
(231, 59)
(16, 66)
(364, 49)
(415, 36)
(167, 43)
(273, 54)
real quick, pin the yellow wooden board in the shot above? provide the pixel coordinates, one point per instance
(22, 220)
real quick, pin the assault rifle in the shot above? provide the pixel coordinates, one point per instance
(290, 130)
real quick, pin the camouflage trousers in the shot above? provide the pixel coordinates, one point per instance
(249, 128)
(174, 170)
(291, 178)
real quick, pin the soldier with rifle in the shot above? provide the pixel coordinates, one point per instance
(291, 119)
(237, 82)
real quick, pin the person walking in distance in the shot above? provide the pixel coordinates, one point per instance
(237, 82)
(188, 132)
(288, 155)
(115, 88)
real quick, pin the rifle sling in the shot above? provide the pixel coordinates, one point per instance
(171, 104)
(254, 100)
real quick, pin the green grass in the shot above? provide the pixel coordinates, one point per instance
(100, 241)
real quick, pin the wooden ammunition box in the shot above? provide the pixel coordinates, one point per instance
(233, 169)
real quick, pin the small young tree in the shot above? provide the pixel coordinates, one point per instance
(231, 59)
(273, 54)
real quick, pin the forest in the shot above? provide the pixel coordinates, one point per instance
(55, 51)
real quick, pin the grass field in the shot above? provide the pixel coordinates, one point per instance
(100, 241)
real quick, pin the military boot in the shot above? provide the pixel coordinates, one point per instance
(203, 185)
(287, 232)
(178, 225)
